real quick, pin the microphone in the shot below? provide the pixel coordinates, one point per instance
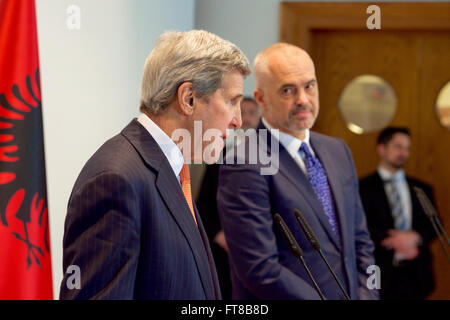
(312, 238)
(295, 249)
(431, 213)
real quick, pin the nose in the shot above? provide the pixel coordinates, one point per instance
(236, 121)
(405, 153)
(302, 97)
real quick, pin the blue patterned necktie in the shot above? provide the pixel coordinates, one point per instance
(396, 204)
(319, 181)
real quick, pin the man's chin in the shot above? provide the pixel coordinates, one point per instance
(399, 166)
(304, 124)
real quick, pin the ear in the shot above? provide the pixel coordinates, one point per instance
(380, 150)
(185, 95)
(259, 98)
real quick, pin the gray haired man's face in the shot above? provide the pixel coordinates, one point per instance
(221, 111)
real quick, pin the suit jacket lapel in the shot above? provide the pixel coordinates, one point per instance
(172, 195)
(291, 171)
(212, 265)
(170, 191)
(382, 196)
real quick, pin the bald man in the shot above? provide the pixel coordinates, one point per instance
(315, 174)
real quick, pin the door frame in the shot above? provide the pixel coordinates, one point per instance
(424, 16)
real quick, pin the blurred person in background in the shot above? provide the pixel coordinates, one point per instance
(397, 223)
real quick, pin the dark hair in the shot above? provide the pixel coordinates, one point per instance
(388, 133)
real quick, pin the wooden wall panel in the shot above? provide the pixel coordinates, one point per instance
(340, 56)
(411, 52)
(434, 139)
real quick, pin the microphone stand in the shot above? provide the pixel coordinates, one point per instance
(310, 235)
(434, 219)
(296, 250)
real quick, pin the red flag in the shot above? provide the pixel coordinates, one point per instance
(25, 262)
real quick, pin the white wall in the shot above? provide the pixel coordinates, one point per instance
(91, 82)
(250, 24)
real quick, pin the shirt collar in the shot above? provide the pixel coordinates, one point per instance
(386, 175)
(168, 147)
(289, 142)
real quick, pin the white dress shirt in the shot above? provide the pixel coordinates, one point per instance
(292, 145)
(168, 147)
(403, 189)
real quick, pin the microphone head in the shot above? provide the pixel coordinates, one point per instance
(424, 202)
(290, 240)
(418, 191)
(307, 230)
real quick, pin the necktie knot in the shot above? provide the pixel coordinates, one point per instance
(391, 180)
(184, 174)
(305, 152)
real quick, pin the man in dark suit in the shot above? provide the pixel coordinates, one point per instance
(207, 203)
(397, 223)
(308, 171)
(131, 226)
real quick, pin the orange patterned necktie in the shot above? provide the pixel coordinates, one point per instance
(185, 180)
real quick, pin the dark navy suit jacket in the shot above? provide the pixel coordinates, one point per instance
(129, 228)
(418, 272)
(262, 265)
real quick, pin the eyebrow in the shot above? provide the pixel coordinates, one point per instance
(237, 96)
(288, 85)
(294, 85)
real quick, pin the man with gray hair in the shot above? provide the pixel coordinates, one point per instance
(131, 225)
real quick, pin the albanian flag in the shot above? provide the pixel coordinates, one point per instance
(25, 264)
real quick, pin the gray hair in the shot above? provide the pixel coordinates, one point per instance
(195, 56)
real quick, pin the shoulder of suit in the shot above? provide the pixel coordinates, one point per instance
(332, 143)
(113, 146)
(419, 183)
(116, 155)
(326, 139)
(368, 179)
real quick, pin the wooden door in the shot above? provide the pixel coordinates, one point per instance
(412, 53)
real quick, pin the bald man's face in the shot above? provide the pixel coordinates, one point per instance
(288, 94)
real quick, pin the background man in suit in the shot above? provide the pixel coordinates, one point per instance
(250, 113)
(316, 175)
(131, 226)
(207, 204)
(398, 226)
